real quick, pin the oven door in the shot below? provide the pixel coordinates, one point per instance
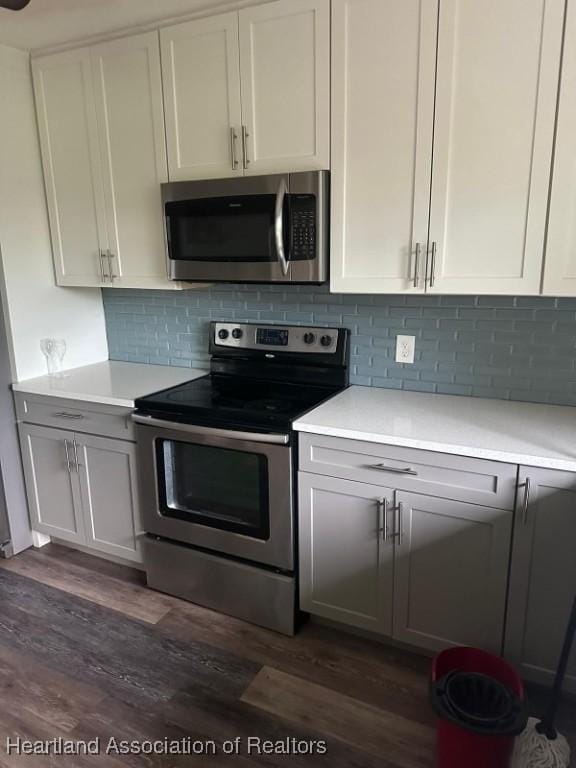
(225, 491)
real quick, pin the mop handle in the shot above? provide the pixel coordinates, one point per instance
(546, 725)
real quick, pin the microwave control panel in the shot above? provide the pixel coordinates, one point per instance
(276, 338)
(303, 227)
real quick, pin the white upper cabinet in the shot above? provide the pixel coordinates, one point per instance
(101, 123)
(560, 261)
(248, 92)
(497, 80)
(128, 90)
(383, 62)
(72, 171)
(202, 97)
(442, 134)
(285, 76)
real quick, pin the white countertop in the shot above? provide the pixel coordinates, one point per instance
(109, 383)
(518, 433)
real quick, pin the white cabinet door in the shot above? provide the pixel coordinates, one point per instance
(107, 470)
(345, 564)
(543, 574)
(51, 482)
(560, 263)
(383, 65)
(200, 65)
(285, 75)
(497, 80)
(128, 91)
(70, 155)
(450, 573)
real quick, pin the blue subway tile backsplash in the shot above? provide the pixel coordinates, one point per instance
(517, 348)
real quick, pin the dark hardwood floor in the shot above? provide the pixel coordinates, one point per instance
(87, 651)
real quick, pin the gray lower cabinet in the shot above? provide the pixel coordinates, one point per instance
(107, 470)
(82, 488)
(53, 489)
(450, 572)
(346, 567)
(543, 573)
(437, 578)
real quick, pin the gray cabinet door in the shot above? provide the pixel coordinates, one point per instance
(107, 471)
(450, 575)
(543, 573)
(346, 566)
(51, 482)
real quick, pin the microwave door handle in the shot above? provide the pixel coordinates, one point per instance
(279, 226)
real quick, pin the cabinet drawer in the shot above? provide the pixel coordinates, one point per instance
(478, 481)
(75, 415)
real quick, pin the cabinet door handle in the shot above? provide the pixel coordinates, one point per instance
(64, 415)
(395, 470)
(245, 160)
(397, 521)
(398, 532)
(103, 275)
(110, 256)
(68, 462)
(78, 465)
(417, 252)
(433, 264)
(233, 137)
(383, 515)
(526, 502)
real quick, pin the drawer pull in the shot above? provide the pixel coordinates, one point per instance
(64, 415)
(396, 470)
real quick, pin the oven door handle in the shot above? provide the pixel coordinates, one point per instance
(191, 429)
(279, 225)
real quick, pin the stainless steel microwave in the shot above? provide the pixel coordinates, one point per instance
(256, 229)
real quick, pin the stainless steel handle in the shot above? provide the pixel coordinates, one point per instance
(254, 437)
(417, 252)
(398, 531)
(110, 256)
(233, 138)
(526, 502)
(433, 265)
(103, 275)
(64, 415)
(279, 225)
(245, 160)
(395, 470)
(78, 465)
(68, 462)
(383, 514)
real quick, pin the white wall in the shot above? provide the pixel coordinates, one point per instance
(34, 306)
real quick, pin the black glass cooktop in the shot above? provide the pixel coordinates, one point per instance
(235, 402)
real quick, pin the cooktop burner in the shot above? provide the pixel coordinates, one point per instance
(262, 378)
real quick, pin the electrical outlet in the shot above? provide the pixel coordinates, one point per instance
(405, 349)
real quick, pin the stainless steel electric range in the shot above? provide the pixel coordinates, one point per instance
(217, 468)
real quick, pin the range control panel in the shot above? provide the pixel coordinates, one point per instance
(279, 338)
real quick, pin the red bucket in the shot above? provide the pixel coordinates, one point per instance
(459, 746)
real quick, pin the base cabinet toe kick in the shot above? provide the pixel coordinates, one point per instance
(435, 550)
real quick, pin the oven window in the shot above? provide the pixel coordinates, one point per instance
(233, 229)
(217, 487)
